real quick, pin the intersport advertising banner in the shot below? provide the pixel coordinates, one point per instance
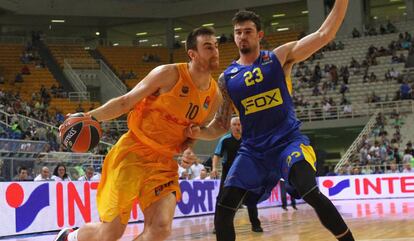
(398, 185)
(31, 207)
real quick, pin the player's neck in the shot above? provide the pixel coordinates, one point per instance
(200, 76)
(249, 58)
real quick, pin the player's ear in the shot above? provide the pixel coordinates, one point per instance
(261, 34)
(191, 53)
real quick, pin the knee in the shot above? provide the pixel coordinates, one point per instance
(110, 236)
(160, 230)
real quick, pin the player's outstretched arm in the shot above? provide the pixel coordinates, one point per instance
(221, 121)
(300, 50)
(159, 78)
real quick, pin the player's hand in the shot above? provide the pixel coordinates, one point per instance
(214, 173)
(188, 158)
(192, 131)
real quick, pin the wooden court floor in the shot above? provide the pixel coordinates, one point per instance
(370, 220)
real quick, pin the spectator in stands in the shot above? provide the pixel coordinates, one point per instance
(196, 168)
(184, 173)
(373, 77)
(391, 28)
(393, 168)
(44, 175)
(383, 30)
(356, 33)
(340, 46)
(23, 175)
(407, 168)
(407, 156)
(405, 91)
(18, 78)
(89, 173)
(1, 79)
(203, 175)
(395, 59)
(60, 174)
(409, 148)
(25, 70)
(222, 39)
(80, 108)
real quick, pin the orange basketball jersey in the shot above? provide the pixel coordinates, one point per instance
(159, 121)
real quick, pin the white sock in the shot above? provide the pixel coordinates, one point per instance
(73, 236)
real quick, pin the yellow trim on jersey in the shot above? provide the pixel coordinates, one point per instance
(309, 154)
(289, 84)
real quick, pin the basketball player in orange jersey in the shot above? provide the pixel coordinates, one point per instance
(140, 165)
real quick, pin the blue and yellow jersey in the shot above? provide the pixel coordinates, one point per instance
(261, 94)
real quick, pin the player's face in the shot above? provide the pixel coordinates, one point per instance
(246, 36)
(207, 54)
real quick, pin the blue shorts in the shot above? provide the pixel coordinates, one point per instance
(259, 171)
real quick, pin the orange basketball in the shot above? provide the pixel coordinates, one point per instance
(80, 133)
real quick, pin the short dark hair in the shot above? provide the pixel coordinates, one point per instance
(22, 168)
(243, 16)
(191, 42)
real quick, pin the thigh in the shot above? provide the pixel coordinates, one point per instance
(161, 212)
(247, 172)
(296, 151)
(120, 187)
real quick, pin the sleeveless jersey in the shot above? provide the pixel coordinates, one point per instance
(159, 121)
(261, 94)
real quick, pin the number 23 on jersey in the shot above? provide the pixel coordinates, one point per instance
(253, 77)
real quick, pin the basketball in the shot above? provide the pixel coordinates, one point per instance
(80, 133)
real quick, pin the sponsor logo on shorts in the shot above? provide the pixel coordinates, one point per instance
(160, 188)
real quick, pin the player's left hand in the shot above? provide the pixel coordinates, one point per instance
(188, 158)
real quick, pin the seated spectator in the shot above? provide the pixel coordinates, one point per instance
(18, 78)
(340, 45)
(1, 79)
(60, 174)
(391, 28)
(23, 175)
(203, 175)
(44, 175)
(405, 91)
(196, 168)
(383, 30)
(407, 168)
(25, 70)
(89, 174)
(395, 59)
(222, 39)
(356, 33)
(80, 108)
(372, 77)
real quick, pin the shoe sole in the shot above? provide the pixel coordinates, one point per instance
(58, 236)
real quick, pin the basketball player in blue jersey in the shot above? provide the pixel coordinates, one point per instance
(258, 84)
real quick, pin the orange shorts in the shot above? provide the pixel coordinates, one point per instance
(131, 171)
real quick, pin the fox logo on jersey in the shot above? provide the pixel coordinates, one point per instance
(262, 101)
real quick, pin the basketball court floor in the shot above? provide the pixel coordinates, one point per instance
(370, 220)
